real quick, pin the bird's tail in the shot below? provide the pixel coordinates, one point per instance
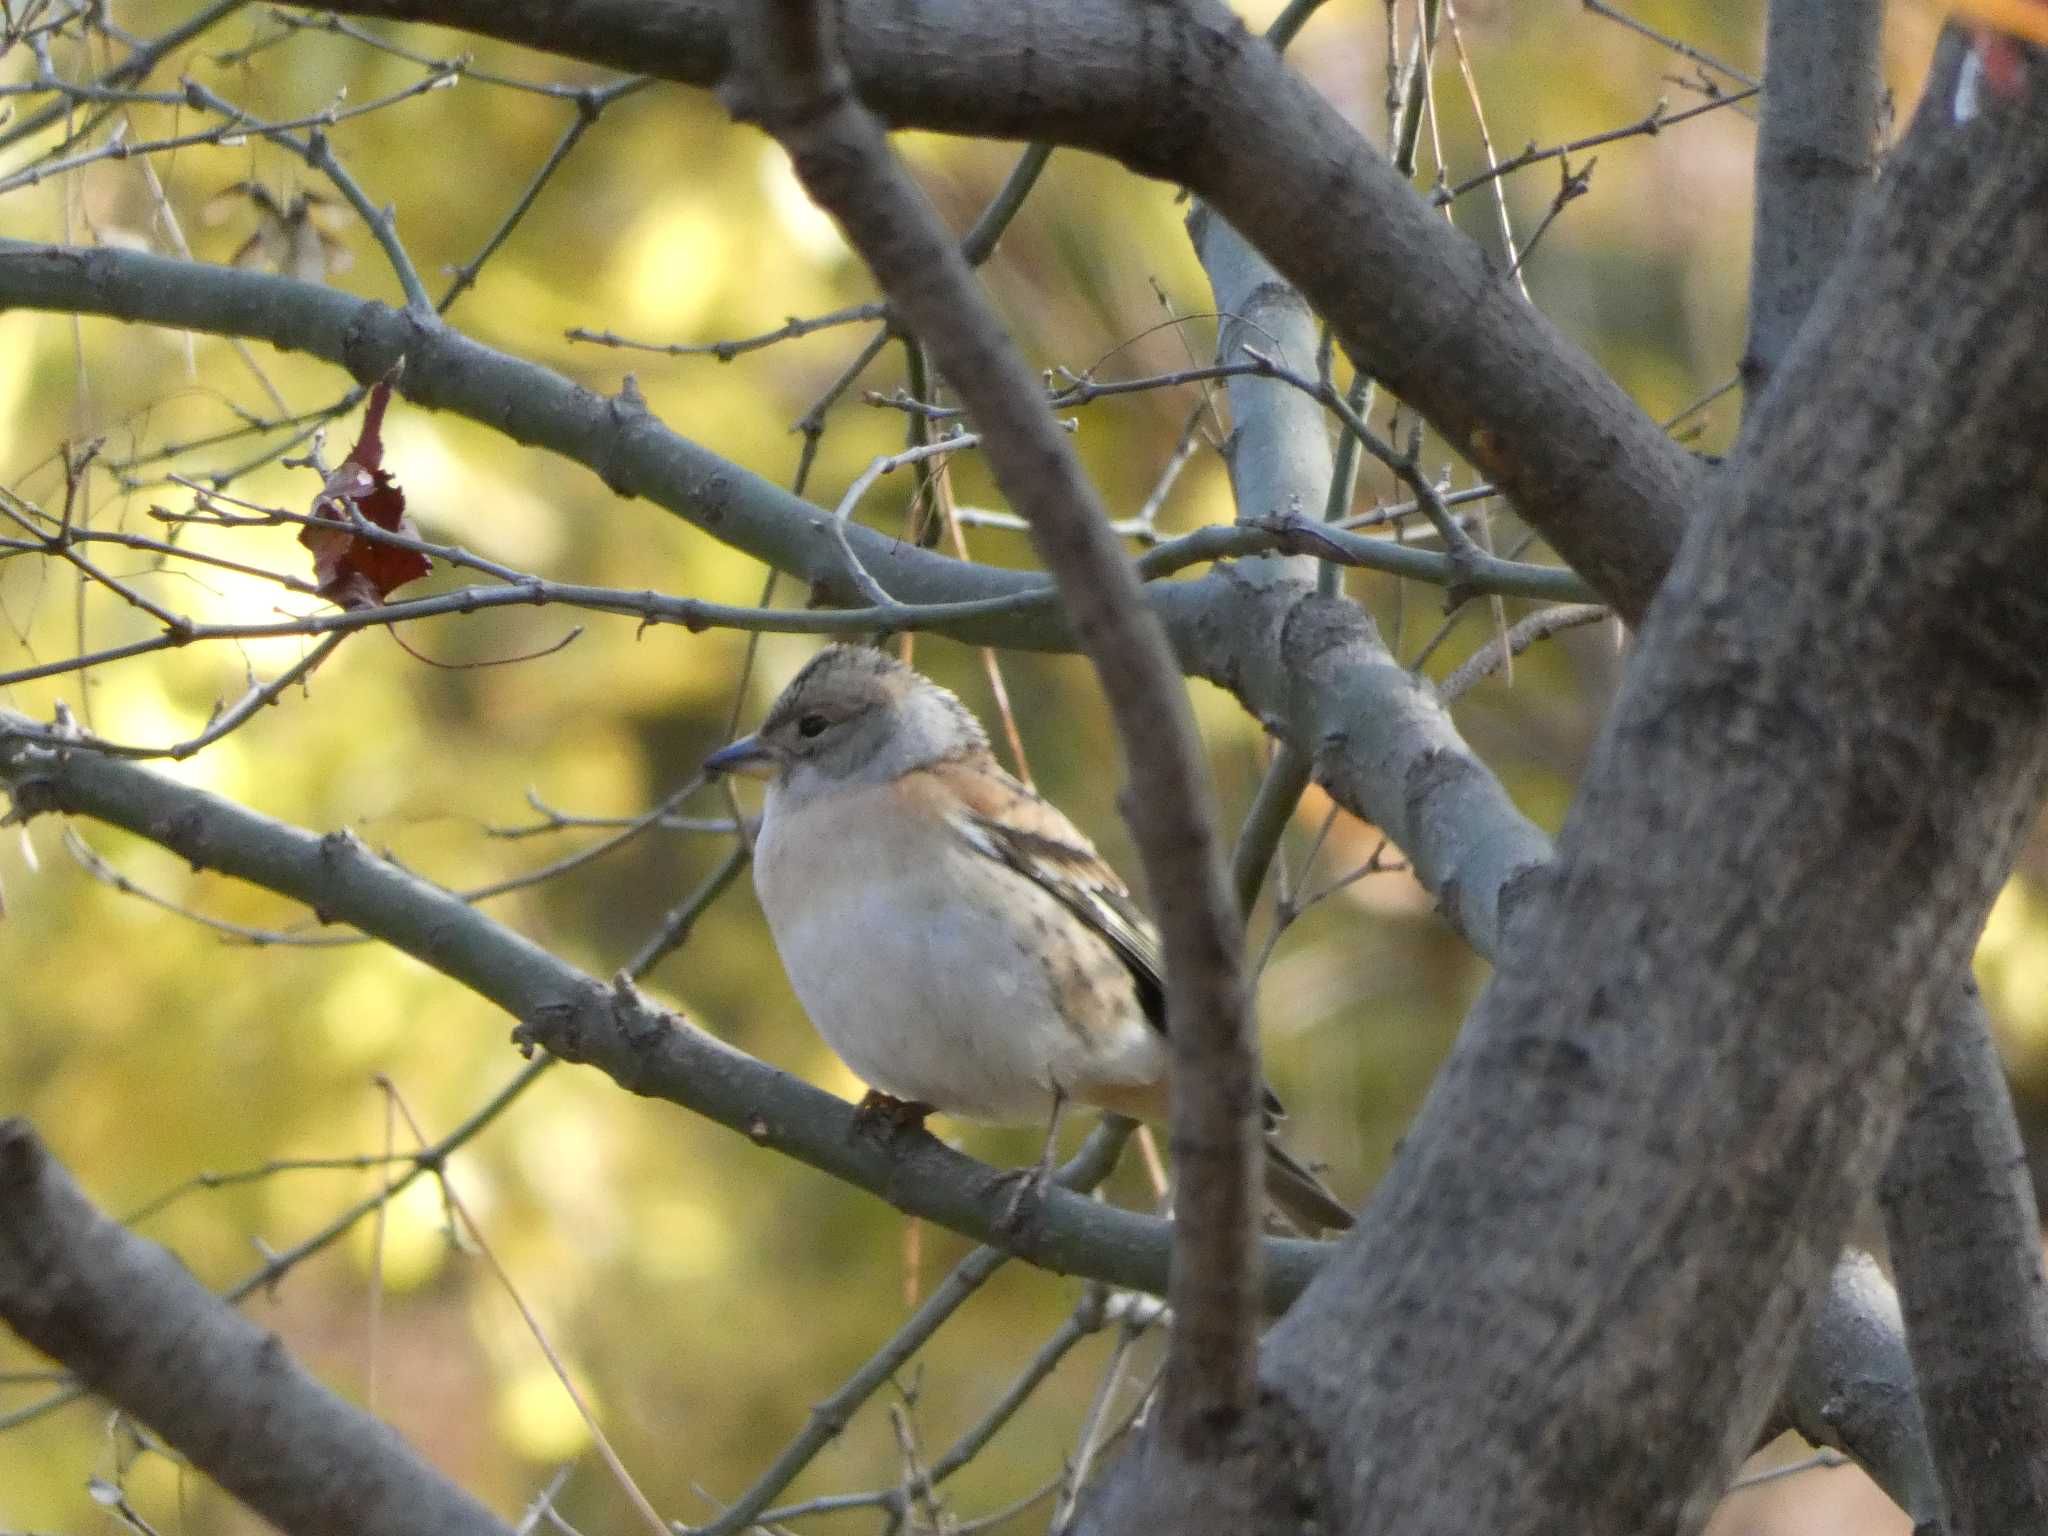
(1305, 1199)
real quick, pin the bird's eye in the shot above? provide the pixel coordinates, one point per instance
(812, 725)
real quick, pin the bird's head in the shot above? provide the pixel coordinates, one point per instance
(852, 716)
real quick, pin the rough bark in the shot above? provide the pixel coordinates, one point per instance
(1965, 1236)
(1966, 1242)
(1801, 806)
(1571, 1300)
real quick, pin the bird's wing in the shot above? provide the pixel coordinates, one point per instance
(1019, 828)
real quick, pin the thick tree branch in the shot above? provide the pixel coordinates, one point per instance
(1852, 1384)
(1644, 1152)
(644, 1048)
(1966, 1242)
(1184, 92)
(1321, 720)
(1965, 1237)
(1852, 1387)
(129, 1321)
(1310, 668)
(1816, 156)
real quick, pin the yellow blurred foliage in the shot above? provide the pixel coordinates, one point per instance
(537, 1419)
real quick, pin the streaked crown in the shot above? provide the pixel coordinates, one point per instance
(855, 715)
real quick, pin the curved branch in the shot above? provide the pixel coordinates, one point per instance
(644, 1048)
(130, 1321)
(1185, 93)
(1852, 1387)
(616, 438)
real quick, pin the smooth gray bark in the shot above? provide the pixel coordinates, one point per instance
(131, 1321)
(1816, 155)
(1852, 1386)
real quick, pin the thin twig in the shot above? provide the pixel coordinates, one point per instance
(475, 1233)
(1084, 1171)
(1676, 45)
(1527, 631)
(1655, 121)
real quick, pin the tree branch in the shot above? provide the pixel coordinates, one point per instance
(1966, 1239)
(1185, 93)
(1690, 1064)
(643, 1048)
(1816, 156)
(1852, 1387)
(1966, 1242)
(129, 1320)
(1322, 717)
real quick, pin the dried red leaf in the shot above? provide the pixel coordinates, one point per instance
(2005, 64)
(1998, 28)
(353, 571)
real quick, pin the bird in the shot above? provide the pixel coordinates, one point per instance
(955, 939)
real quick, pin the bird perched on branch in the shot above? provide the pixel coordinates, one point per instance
(953, 936)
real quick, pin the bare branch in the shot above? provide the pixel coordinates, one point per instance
(1966, 1243)
(1816, 156)
(1087, 1168)
(1188, 95)
(1851, 1386)
(645, 1049)
(131, 1322)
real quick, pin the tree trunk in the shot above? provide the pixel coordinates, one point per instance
(1570, 1303)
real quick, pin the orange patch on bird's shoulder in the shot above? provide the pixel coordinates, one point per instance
(985, 791)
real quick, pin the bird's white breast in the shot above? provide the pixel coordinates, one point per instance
(925, 964)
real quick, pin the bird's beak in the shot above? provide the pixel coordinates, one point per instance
(747, 755)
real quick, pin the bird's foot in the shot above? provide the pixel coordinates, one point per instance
(1027, 1187)
(879, 1113)
(1029, 1184)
